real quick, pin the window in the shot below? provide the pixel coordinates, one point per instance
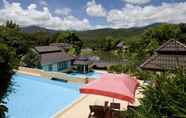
(60, 66)
(50, 67)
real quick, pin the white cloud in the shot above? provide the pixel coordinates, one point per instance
(139, 2)
(94, 9)
(32, 16)
(133, 15)
(43, 2)
(63, 12)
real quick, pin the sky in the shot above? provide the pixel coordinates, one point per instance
(92, 14)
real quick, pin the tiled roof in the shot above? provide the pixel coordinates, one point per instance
(172, 45)
(47, 49)
(62, 45)
(50, 58)
(165, 62)
(168, 56)
(82, 61)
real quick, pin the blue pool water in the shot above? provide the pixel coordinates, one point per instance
(35, 97)
(92, 75)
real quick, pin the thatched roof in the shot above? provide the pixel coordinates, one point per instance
(168, 56)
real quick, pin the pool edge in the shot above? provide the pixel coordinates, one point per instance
(63, 110)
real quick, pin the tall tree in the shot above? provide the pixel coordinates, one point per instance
(69, 37)
(8, 61)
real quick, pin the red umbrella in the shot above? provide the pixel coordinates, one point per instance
(118, 86)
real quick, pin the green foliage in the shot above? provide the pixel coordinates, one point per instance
(8, 56)
(107, 44)
(16, 39)
(162, 33)
(72, 51)
(141, 48)
(70, 38)
(110, 43)
(8, 61)
(10, 24)
(3, 109)
(166, 98)
(13, 44)
(91, 37)
(31, 59)
(40, 38)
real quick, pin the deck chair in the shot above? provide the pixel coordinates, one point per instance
(115, 106)
(115, 110)
(96, 111)
(116, 113)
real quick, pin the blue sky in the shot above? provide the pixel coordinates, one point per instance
(92, 14)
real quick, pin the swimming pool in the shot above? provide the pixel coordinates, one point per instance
(92, 75)
(35, 97)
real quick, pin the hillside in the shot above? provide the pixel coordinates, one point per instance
(31, 29)
(89, 36)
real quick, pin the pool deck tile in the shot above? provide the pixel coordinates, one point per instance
(81, 108)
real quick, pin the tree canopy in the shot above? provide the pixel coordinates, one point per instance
(8, 61)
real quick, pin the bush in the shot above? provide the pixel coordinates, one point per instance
(165, 99)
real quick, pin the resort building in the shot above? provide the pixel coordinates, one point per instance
(62, 46)
(169, 56)
(83, 64)
(53, 58)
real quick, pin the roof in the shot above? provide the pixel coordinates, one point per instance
(168, 56)
(62, 45)
(47, 49)
(165, 62)
(120, 44)
(50, 58)
(172, 46)
(82, 61)
(102, 64)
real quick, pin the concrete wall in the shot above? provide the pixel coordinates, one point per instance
(49, 75)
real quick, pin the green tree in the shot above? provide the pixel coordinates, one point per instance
(41, 38)
(8, 61)
(16, 39)
(162, 33)
(10, 24)
(69, 37)
(108, 43)
(31, 59)
(166, 98)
